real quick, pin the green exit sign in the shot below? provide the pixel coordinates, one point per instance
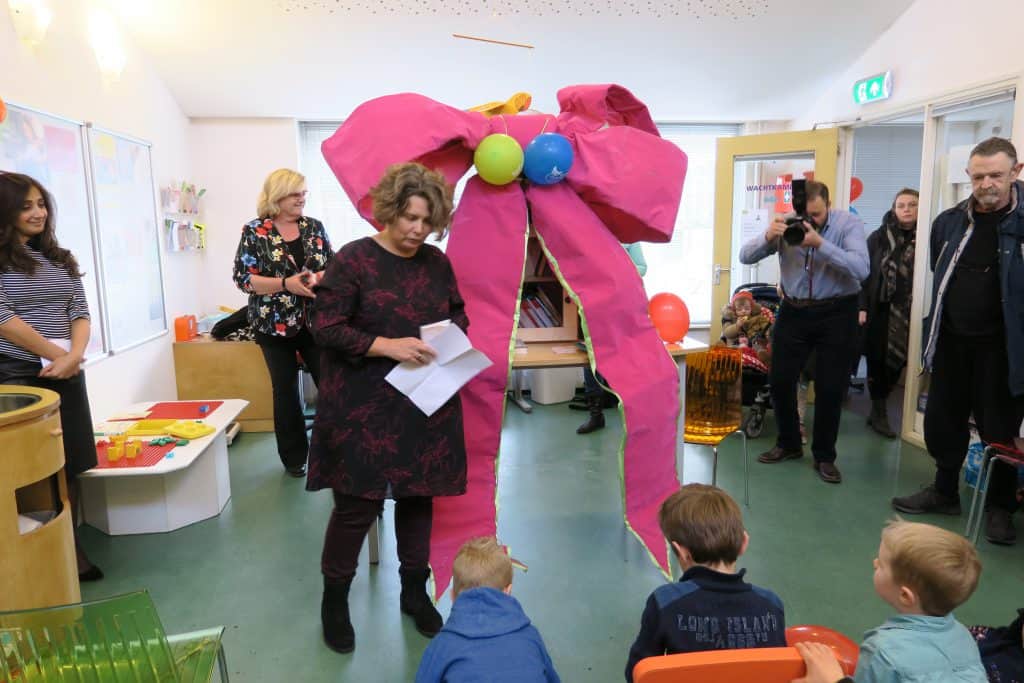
(873, 89)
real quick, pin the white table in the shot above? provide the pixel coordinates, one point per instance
(192, 486)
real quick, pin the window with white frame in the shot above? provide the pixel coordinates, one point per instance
(683, 265)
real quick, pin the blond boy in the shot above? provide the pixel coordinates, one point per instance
(924, 573)
(711, 607)
(487, 637)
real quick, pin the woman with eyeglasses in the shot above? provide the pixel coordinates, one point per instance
(281, 257)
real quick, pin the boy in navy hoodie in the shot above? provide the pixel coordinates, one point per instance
(487, 637)
(711, 607)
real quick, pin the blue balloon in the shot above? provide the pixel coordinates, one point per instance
(547, 158)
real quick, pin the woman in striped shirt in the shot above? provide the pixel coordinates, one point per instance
(44, 323)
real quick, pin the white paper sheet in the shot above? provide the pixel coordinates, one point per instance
(62, 343)
(430, 386)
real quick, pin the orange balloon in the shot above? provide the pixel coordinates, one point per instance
(3, 110)
(670, 316)
(846, 650)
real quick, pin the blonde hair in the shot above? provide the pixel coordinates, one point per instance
(941, 567)
(401, 182)
(276, 187)
(706, 521)
(481, 563)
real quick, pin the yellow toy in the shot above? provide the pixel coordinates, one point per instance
(188, 429)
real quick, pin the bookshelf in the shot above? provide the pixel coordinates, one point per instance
(546, 312)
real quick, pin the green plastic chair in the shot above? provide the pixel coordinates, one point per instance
(113, 640)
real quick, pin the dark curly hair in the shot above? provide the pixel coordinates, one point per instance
(14, 189)
(402, 181)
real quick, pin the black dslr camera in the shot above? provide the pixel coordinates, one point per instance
(795, 228)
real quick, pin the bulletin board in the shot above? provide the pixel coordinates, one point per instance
(50, 149)
(127, 238)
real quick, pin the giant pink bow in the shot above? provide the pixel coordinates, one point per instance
(624, 186)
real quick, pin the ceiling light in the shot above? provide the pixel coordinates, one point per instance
(31, 18)
(105, 37)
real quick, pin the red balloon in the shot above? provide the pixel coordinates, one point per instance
(856, 188)
(846, 650)
(670, 316)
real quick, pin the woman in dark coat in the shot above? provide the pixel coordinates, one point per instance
(369, 440)
(885, 303)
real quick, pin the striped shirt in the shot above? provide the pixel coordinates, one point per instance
(47, 301)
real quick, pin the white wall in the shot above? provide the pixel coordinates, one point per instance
(232, 158)
(935, 47)
(61, 77)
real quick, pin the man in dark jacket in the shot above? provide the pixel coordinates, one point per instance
(975, 336)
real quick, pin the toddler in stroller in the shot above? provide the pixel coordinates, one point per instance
(747, 322)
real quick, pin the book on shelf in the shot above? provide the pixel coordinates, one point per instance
(549, 305)
(539, 312)
(526, 319)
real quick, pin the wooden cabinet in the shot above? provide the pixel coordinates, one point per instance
(38, 567)
(208, 369)
(546, 311)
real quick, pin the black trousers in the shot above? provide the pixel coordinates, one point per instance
(881, 378)
(969, 375)
(830, 331)
(351, 519)
(289, 422)
(75, 416)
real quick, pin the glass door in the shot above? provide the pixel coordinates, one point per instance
(753, 181)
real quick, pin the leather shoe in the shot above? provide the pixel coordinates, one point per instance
(297, 472)
(778, 454)
(828, 472)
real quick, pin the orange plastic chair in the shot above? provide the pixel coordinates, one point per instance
(714, 404)
(753, 665)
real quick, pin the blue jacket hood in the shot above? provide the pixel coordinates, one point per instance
(485, 613)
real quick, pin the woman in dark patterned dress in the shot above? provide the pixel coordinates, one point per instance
(281, 256)
(369, 440)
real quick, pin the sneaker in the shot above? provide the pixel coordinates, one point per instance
(999, 526)
(927, 499)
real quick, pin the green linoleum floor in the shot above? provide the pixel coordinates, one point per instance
(255, 568)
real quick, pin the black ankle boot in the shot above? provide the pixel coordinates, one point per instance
(879, 419)
(596, 419)
(417, 603)
(338, 632)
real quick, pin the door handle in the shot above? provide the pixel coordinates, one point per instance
(716, 273)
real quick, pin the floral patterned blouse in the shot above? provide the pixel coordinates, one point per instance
(262, 251)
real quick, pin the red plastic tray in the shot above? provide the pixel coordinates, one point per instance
(149, 456)
(182, 410)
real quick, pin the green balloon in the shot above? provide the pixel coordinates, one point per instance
(498, 159)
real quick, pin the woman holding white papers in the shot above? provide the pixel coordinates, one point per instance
(370, 441)
(44, 324)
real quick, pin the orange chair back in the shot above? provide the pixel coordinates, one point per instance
(754, 665)
(714, 395)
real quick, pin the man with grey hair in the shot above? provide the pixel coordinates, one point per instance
(975, 336)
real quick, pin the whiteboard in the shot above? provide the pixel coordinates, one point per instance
(50, 149)
(125, 209)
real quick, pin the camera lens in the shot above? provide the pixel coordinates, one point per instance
(794, 234)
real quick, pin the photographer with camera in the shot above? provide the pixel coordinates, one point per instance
(823, 258)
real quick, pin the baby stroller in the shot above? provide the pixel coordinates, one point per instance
(756, 353)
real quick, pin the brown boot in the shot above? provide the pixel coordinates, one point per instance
(879, 419)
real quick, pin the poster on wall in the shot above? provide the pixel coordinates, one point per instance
(50, 149)
(128, 238)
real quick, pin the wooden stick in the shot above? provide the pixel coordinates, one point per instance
(490, 40)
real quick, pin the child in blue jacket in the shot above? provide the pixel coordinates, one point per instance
(487, 637)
